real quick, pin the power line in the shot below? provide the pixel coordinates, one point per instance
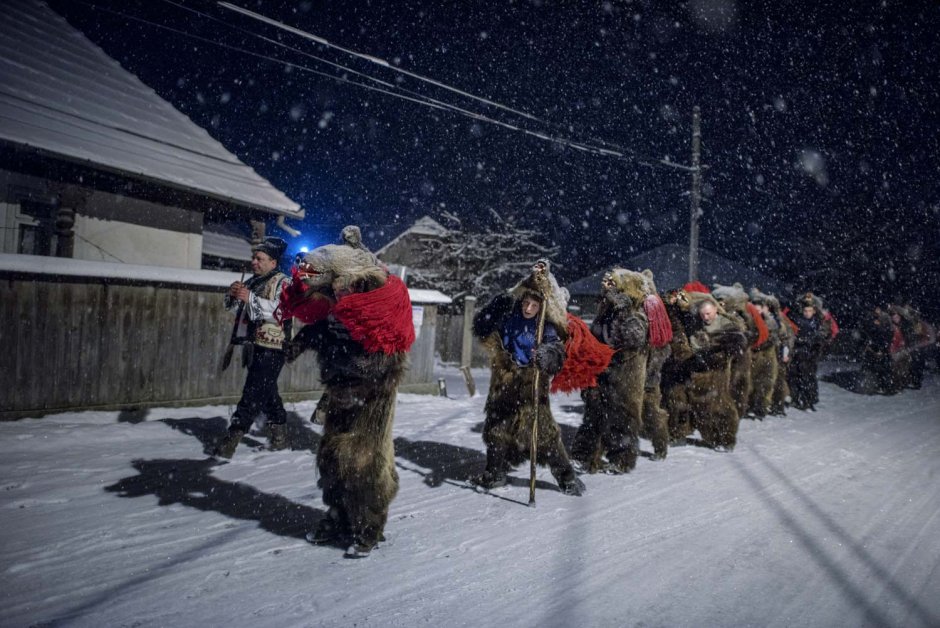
(417, 98)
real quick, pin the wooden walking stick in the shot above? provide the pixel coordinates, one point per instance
(230, 349)
(533, 444)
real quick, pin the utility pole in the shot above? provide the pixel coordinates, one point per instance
(696, 194)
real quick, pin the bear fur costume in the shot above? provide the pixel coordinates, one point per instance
(655, 425)
(677, 369)
(734, 301)
(786, 339)
(764, 361)
(360, 368)
(713, 410)
(613, 410)
(511, 408)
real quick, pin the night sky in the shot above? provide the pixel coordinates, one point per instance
(820, 126)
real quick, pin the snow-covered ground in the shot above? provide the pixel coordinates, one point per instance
(829, 518)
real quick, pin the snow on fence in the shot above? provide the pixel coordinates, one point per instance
(83, 335)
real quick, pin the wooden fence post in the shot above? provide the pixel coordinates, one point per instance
(466, 349)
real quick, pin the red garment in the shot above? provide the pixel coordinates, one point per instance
(786, 319)
(585, 358)
(897, 341)
(762, 332)
(295, 304)
(381, 319)
(660, 326)
(696, 286)
(834, 326)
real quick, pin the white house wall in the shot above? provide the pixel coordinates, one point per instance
(114, 241)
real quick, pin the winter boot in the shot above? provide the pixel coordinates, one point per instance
(569, 483)
(359, 550)
(277, 437)
(490, 479)
(329, 530)
(226, 447)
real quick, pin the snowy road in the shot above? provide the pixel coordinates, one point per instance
(817, 519)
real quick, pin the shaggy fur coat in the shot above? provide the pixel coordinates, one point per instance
(613, 410)
(713, 410)
(513, 403)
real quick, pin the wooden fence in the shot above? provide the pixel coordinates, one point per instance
(103, 343)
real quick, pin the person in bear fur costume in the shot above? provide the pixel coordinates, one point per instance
(764, 363)
(677, 369)
(715, 341)
(734, 301)
(655, 419)
(786, 337)
(507, 327)
(358, 320)
(613, 409)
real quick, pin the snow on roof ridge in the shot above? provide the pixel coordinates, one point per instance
(57, 267)
(64, 96)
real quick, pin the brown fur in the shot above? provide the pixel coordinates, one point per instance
(713, 411)
(356, 457)
(613, 415)
(510, 414)
(655, 422)
(613, 410)
(763, 378)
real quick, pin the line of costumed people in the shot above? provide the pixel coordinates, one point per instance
(649, 365)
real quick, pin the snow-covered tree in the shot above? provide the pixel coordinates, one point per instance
(479, 262)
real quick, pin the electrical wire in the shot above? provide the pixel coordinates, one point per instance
(393, 90)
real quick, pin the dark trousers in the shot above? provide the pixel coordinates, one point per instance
(260, 392)
(801, 376)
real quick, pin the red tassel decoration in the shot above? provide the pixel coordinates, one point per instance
(762, 332)
(585, 358)
(835, 326)
(381, 319)
(696, 286)
(660, 326)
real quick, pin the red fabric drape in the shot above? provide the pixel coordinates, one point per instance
(835, 326)
(585, 358)
(381, 319)
(762, 332)
(696, 286)
(897, 341)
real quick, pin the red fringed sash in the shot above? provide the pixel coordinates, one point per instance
(381, 319)
(660, 326)
(835, 326)
(585, 358)
(696, 286)
(762, 332)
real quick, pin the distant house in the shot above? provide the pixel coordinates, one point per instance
(670, 266)
(94, 165)
(404, 251)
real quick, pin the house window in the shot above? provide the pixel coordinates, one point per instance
(36, 228)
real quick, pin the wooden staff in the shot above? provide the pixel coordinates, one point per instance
(533, 444)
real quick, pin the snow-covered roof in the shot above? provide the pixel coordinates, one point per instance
(670, 266)
(222, 242)
(62, 95)
(430, 297)
(12, 263)
(424, 226)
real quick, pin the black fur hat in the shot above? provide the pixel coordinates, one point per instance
(273, 247)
